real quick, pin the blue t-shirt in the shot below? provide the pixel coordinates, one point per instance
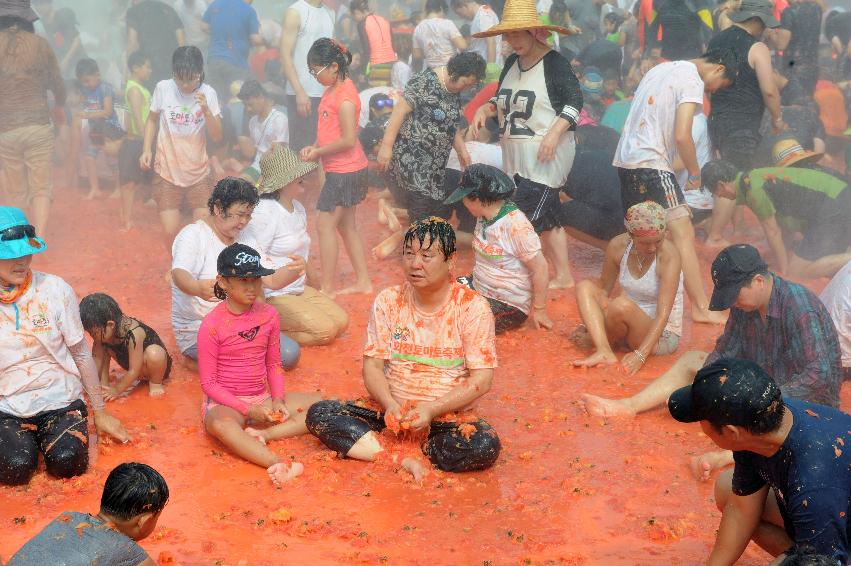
(811, 477)
(231, 22)
(93, 100)
(78, 539)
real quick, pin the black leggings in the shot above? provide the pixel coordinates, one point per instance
(61, 435)
(505, 316)
(340, 425)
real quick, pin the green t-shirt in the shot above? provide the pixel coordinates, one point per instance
(796, 196)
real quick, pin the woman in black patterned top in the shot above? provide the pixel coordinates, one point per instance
(423, 130)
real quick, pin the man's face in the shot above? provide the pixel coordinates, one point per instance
(14, 271)
(751, 296)
(720, 438)
(466, 11)
(716, 80)
(424, 265)
(726, 189)
(254, 104)
(144, 71)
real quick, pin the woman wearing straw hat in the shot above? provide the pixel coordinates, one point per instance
(279, 228)
(537, 103)
(45, 364)
(793, 197)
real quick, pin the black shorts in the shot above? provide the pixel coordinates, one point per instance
(342, 189)
(603, 224)
(639, 185)
(340, 425)
(422, 206)
(539, 203)
(302, 128)
(129, 170)
(505, 316)
(829, 232)
(738, 146)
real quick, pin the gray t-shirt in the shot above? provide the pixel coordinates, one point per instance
(78, 539)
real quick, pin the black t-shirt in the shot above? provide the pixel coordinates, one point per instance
(811, 477)
(681, 30)
(156, 25)
(803, 124)
(803, 19)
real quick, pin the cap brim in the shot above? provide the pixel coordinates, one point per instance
(506, 27)
(262, 272)
(724, 297)
(769, 20)
(458, 195)
(681, 405)
(804, 158)
(13, 249)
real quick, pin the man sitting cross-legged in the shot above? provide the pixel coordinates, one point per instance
(430, 353)
(780, 325)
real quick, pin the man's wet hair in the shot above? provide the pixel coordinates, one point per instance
(251, 89)
(132, 489)
(726, 57)
(86, 67)
(136, 59)
(97, 309)
(717, 171)
(230, 191)
(187, 62)
(437, 230)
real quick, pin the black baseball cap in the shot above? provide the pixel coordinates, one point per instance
(239, 260)
(729, 391)
(483, 181)
(734, 268)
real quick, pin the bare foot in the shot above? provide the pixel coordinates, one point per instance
(385, 248)
(596, 359)
(703, 466)
(717, 243)
(151, 203)
(258, 434)
(392, 220)
(115, 194)
(281, 473)
(417, 468)
(580, 338)
(600, 407)
(330, 294)
(93, 195)
(562, 283)
(706, 316)
(156, 389)
(357, 289)
(127, 227)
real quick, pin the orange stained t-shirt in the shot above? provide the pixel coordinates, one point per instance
(328, 130)
(428, 354)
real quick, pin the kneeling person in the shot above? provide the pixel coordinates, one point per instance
(791, 446)
(510, 271)
(430, 342)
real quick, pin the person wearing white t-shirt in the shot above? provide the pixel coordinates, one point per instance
(659, 128)
(45, 365)
(700, 201)
(279, 229)
(268, 126)
(510, 270)
(195, 254)
(482, 18)
(437, 38)
(186, 111)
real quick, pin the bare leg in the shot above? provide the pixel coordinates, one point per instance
(591, 300)
(40, 211)
(297, 406)
(722, 214)
(128, 192)
(826, 266)
(770, 534)
(652, 396)
(226, 425)
(155, 363)
(682, 233)
(388, 245)
(555, 248)
(353, 242)
(328, 249)
(365, 448)
(170, 220)
(94, 182)
(585, 238)
(702, 466)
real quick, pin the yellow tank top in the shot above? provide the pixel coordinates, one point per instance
(146, 107)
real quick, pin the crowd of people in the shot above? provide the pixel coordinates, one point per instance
(647, 129)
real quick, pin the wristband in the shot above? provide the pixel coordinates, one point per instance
(694, 178)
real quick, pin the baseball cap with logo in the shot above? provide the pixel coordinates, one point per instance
(734, 268)
(239, 260)
(729, 391)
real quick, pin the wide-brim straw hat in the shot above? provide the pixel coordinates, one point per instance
(789, 152)
(280, 167)
(18, 9)
(519, 15)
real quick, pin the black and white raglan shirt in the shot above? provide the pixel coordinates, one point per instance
(529, 101)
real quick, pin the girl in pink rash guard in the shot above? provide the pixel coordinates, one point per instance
(239, 362)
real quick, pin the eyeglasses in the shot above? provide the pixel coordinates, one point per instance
(383, 103)
(317, 73)
(17, 233)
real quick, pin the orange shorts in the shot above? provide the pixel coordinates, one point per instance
(171, 197)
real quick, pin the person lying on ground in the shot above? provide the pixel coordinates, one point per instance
(134, 345)
(193, 268)
(430, 354)
(45, 364)
(791, 198)
(780, 325)
(510, 269)
(239, 365)
(836, 297)
(279, 227)
(795, 448)
(132, 501)
(648, 315)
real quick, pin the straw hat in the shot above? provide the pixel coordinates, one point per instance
(520, 15)
(280, 167)
(789, 152)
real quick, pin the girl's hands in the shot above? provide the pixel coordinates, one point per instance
(259, 414)
(310, 153)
